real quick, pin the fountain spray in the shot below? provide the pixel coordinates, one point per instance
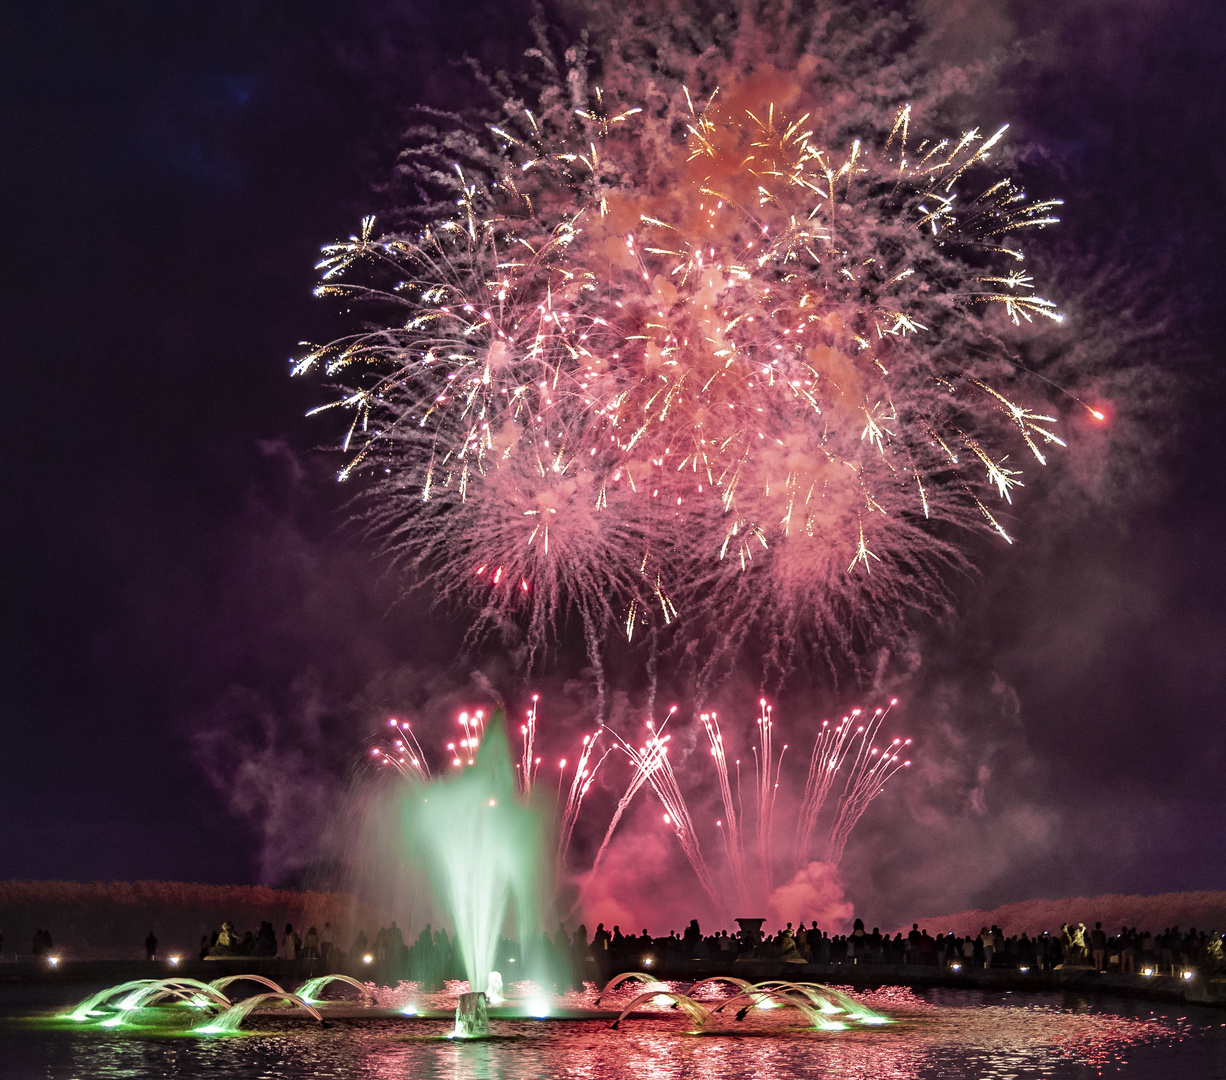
(479, 844)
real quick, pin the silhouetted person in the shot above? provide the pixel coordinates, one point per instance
(1098, 945)
(266, 940)
(41, 946)
(913, 943)
(579, 953)
(858, 944)
(988, 943)
(151, 946)
(1128, 950)
(813, 938)
(617, 949)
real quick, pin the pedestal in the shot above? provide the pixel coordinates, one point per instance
(472, 1016)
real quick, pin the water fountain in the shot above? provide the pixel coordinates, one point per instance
(479, 845)
(127, 1003)
(817, 1003)
(145, 993)
(795, 1027)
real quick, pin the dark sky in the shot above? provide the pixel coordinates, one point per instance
(170, 172)
(173, 550)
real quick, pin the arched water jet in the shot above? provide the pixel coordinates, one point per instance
(731, 980)
(231, 1020)
(857, 1010)
(827, 998)
(625, 976)
(229, 980)
(693, 1009)
(815, 992)
(310, 989)
(755, 996)
(94, 1002)
(191, 991)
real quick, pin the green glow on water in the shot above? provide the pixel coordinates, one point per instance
(89, 1007)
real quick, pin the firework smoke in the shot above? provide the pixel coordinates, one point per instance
(697, 363)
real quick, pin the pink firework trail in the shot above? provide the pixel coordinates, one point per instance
(845, 750)
(651, 761)
(829, 753)
(402, 752)
(868, 775)
(637, 780)
(766, 774)
(527, 763)
(582, 782)
(730, 824)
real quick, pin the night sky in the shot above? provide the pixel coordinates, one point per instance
(183, 599)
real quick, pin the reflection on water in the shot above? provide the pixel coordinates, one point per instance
(948, 1034)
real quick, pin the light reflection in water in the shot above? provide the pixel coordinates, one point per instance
(946, 1034)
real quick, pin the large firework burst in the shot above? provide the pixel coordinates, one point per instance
(693, 365)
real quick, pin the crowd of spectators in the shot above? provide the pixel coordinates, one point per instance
(292, 945)
(1129, 951)
(576, 956)
(1171, 952)
(571, 957)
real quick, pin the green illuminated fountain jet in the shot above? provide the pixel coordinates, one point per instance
(480, 846)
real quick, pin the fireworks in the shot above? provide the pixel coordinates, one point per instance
(863, 780)
(846, 757)
(402, 752)
(699, 370)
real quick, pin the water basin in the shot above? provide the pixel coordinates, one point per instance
(934, 1033)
